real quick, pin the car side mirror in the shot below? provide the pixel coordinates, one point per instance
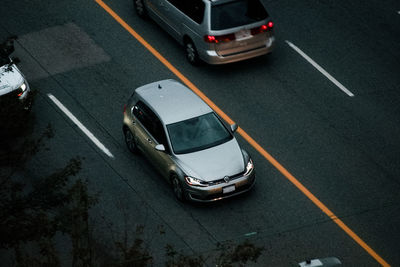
(160, 147)
(134, 109)
(234, 127)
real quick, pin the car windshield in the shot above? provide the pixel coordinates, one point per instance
(197, 134)
(236, 13)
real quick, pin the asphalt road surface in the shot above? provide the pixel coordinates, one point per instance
(338, 194)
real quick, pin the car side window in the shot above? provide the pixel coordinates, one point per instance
(151, 122)
(179, 4)
(159, 133)
(194, 9)
(140, 110)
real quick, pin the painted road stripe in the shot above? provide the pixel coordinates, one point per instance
(250, 140)
(250, 234)
(80, 125)
(320, 69)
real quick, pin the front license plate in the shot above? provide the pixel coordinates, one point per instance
(242, 34)
(228, 189)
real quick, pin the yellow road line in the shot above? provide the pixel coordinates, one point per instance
(250, 140)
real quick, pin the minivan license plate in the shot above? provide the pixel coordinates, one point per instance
(242, 34)
(228, 189)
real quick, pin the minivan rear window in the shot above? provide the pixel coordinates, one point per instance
(236, 13)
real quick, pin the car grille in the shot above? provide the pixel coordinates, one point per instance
(222, 181)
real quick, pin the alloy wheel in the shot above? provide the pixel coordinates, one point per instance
(191, 53)
(130, 141)
(139, 8)
(177, 187)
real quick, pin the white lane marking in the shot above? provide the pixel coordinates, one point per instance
(320, 69)
(80, 125)
(250, 234)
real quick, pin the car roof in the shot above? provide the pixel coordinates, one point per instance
(172, 101)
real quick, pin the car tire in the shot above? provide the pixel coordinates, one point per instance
(130, 141)
(28, 103)
(28, 106)
(177, 188)
(191, 53)
(140, 9)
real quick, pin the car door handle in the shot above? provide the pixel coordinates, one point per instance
(149, 140)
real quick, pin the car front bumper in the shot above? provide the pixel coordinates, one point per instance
(212, 193)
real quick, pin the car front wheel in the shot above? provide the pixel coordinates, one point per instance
(177, 187)
(130, 141)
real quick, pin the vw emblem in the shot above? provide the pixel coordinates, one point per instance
(226, 179)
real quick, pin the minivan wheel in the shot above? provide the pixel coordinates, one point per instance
(177, 187)
(130, 141)
(139, 8)
(191, 53)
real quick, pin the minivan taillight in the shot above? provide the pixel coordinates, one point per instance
(219, 38)
(262, 28)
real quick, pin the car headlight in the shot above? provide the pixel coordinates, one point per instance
(22, 89)
(195, 182)
(249, 167)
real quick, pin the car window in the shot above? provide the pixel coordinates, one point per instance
(197, 133)
(194, 9)
(236, 13)
(151, 122)
(141, 112)
(159, 133)
(179, 4)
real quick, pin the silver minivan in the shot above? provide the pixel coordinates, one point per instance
(215, 31)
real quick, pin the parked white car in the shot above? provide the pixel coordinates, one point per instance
(13, 84)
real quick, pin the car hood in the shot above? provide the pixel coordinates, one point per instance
(213, 163)
(10, 79)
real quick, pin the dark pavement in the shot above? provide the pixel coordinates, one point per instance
(345, 150)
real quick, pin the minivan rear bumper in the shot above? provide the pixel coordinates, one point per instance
(211, 56)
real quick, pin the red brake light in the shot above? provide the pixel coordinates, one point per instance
(209, 39)
(220, 38)
(124, 109)
(262, 28)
